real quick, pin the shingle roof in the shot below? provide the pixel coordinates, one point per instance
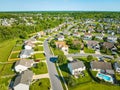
(108, 45)
(76, 64)
(24, 62)
(26, 52)
(24, 78)
(101, 65)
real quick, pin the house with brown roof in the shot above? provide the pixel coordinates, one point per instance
(87, 36)
(109, 45)
(62, 45)
(93, 44)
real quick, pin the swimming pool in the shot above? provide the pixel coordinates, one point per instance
(105, 77)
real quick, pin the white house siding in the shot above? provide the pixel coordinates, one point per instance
(21, 87)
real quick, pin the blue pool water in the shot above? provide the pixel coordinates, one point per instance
(105, 77)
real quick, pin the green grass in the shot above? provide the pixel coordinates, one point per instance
(73, 51)
(39, 55)
(94, 86)
(17, 48)
(40, 68)
(5, 49)
(38, 48)
(4, 82)
(8, 70)
(41, 39)
(14, 55)
(57, 51)
(42, 84)
(87, 50)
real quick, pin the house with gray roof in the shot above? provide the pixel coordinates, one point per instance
(117, 66)
(75, 67)
(100, 65)
(23, 80)
(23, 65)
(26, 53)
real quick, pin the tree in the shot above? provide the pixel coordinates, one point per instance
(52, 43)
(61, 58)
(89, 57)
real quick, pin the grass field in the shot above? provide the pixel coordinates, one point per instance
(5, 49)
(42, 84)
(40, 68)
(17, 48)
(94, 86)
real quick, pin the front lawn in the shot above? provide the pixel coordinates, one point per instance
(38, 48)
(42, 84)
(39, 56)
(57, 51)
(73, 51)
(40, 68)
(87, 50)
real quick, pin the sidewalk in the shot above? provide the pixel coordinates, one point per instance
(40, 76)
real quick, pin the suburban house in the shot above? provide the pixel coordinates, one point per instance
(41, 33)
(99, 65)
(62, 45)
(117, 66)
(29, 45)
(87, 36)
(76, 67)
(99, 36)
(26, 53)
(112, 39)
(23, 80)
(93, 44)
(109, 45)
(23, 65)
(76, 34)
(60, 38)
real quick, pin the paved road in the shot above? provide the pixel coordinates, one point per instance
(86, 54)
(54, 78)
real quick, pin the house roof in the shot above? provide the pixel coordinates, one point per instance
(61, 44)
(26, 52)
(117, 64)
(25, 78)
(76, 64)
(101, 65)
(88, 34)
(24, 62)
(92, 43)
(108, 45)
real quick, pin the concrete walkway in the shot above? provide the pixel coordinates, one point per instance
(41, 76)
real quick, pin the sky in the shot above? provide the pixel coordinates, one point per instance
(59, 5)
